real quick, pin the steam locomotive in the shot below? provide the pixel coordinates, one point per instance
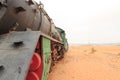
(30, 43)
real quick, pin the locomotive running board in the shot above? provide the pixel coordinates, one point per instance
(52, 39)
(16, 51)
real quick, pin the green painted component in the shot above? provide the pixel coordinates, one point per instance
(63, 36)
(46, 43)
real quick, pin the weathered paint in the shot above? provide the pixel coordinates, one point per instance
(46, 44)
(63, 36)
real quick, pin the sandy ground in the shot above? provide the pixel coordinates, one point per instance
(88, 63)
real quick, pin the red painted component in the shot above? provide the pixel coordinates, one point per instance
(36, 66)
(32, 76)
(35, 63)
(39, 71)
(38, 46)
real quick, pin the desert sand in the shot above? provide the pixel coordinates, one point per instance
(88, 63)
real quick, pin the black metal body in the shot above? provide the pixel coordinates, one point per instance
(22, 15)
(18, 15)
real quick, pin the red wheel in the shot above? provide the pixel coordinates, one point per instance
(35, 63)
(32, 76)
(39, 71)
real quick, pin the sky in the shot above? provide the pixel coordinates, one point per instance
(86, 21)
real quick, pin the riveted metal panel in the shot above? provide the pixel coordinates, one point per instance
(46, 57)
(15, 58)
